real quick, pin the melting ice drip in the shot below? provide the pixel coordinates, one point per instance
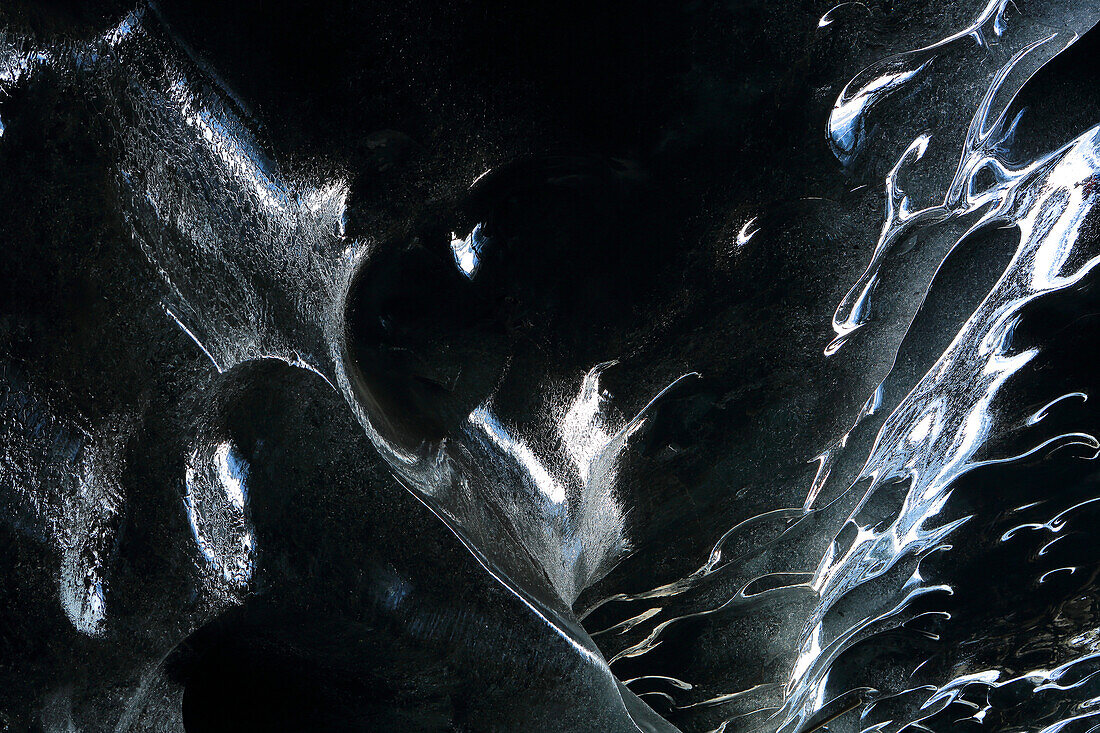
(984, 141)
(847, 125)
(942, 428)
(936, 433)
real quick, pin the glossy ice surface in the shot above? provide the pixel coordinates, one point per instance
(492, 366)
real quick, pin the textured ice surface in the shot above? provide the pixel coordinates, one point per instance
(729, 372)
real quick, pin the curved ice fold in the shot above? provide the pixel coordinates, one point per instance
(216, 500)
